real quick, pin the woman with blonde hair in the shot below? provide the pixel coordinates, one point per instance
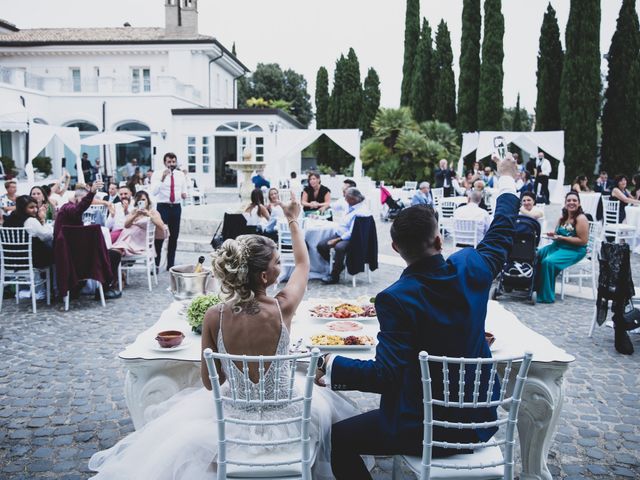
(181, 443)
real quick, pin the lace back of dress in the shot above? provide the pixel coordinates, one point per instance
(276, 378)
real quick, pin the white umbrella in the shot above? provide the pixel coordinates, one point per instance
(110, 138)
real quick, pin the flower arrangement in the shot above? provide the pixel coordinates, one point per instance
(198, 308)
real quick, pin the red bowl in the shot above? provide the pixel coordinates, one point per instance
(170, 338)
(489, 338)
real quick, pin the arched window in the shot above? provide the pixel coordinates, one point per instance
(140, 150)
(40, 121)
(239, 127)
(83, 126)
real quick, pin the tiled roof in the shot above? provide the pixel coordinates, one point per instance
(53, 36)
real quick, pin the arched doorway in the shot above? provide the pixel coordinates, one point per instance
(86, 130)
(230, 140)
(140, 150)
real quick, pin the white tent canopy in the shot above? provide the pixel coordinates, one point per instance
(290, 144)
(550, 142)
(41, 135)
(110, 138)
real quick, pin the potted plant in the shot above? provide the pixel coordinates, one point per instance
(9, 167)
(43, 165)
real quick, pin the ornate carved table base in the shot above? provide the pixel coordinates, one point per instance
(149, 382)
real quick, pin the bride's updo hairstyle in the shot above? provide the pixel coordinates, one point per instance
(238, 263)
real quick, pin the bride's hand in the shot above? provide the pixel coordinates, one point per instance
(292, 211)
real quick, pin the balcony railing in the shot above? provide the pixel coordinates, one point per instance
(159, 85)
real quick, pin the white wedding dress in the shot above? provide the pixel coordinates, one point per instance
(180, 439)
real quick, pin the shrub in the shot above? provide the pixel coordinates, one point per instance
(9, 166)
(43, 165)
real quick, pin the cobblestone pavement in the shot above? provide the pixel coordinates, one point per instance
(61, 384)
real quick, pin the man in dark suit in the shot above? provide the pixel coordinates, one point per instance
(443, 178)
(603, 185)
(438, 306)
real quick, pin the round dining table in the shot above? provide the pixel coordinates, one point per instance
(589, 202)
(632, 217)
(315, 231)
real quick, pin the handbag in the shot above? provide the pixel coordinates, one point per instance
(217, 240)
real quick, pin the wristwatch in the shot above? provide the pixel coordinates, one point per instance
(322, 363)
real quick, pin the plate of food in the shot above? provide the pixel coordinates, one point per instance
(344, 326)
(325, 341)
(352, 310)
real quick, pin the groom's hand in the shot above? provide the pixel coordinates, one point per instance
(320, 379)
(508, 167)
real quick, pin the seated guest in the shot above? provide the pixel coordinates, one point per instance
(340, 242)
(467, 183)
(423, 195)
(133, 239)
(147, 177)
(59, 188)
(526, 184)
(487, 177)
(580, 184)
(478, 186)
(256, 213)
(315, 197)
(340, 206)
(112, 194)
(8, 200)
(458, 190)
(636, 186)
(528, 206)
(259, 181)
(115, 220)
(621, 194)
(71, 214)
(472, 211)
(275, 206)
(27, 215)
(39, 194)
(438, 306)
(568, 248)
(603, 185)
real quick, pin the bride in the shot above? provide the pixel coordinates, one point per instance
(180, 439)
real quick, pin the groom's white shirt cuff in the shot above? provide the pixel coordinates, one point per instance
(327, 374)
(506, 184)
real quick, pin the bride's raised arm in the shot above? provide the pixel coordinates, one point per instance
(291, 295)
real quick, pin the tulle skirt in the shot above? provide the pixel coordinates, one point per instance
(179, 441)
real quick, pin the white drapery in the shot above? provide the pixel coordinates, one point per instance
(41, 135)
(290, 144)
(550, 142)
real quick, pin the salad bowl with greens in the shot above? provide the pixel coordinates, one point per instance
(198, 308)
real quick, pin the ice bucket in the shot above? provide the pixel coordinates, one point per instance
(185, 283)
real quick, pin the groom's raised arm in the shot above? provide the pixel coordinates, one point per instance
(393, 352)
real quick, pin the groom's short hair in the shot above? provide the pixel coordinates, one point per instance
(414, 229)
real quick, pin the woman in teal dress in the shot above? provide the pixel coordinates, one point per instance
(568, 248)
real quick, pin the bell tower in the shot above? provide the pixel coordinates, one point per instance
(181, 17)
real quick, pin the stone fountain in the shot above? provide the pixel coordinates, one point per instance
(246, 167)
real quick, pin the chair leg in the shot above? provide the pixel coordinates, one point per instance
(353, 281)
(120, 277)
(395, 467)
(368, 272)
(32, 288)
(562, 280)
(149, 274)
(47, 274)
(66, 301)
(593, 322)
(101, 290)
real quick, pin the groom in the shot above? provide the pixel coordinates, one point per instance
(438, 306)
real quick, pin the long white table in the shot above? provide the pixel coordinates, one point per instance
(154, 376)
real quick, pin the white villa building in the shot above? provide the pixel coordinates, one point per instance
(171, 86)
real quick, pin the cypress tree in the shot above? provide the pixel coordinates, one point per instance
(516, 126)
(445, 91)
(580, 87)
(469, 79)
(352, 101)
(550, 60)
(370, 102)
(490, 101)
(411, 38)
(620, 139)
(421, 101)
(322, 112)
(335, 100)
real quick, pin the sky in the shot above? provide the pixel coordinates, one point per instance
(307, 34)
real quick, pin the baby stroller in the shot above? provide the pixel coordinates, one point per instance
(519, 271)
(393, 207)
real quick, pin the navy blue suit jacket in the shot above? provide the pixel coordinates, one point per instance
(438, 306)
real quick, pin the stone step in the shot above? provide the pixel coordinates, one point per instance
(194, 243)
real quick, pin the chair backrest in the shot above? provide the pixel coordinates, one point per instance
(465, 232)
(410, 185)
(437, 192)
(245, 397)
(478, 393)
(95, 214)
(595, 236)
(16, 251)
(285, 245)
(233, 225)
(447, 207)
(151, 239)
(611, 211)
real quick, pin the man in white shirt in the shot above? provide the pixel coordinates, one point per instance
(169, 187)
(472, 211)
(340, 206)
(543, 170)
(340, 242)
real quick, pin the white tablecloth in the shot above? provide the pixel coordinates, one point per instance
(632, 217)
(315, 231)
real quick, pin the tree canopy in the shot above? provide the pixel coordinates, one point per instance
(469, 79)
(490, 102)
(549, 74)
(411, 39)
